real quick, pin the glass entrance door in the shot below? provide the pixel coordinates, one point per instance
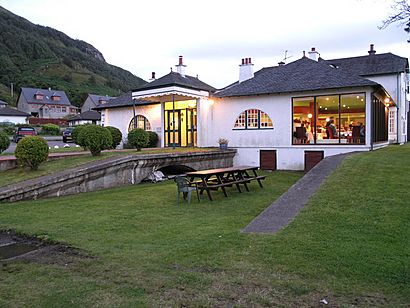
(191, 129)
(172, 128)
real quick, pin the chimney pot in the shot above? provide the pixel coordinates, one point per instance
(250, 60)
(281, 63)
(372, 51)
(313, 49)
(153, 75)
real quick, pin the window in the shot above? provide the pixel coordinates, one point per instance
(139, 122)
(329, 119)
(64, 109)
(253, 119)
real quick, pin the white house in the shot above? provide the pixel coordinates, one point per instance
(86, 117)
(284, 117)
(12, 115)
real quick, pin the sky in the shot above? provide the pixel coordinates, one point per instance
(214, 35)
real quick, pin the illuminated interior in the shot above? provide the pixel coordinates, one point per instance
(329, 119)
(180, 123)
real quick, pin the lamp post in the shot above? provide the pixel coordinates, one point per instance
(173, 121)
(133, 110)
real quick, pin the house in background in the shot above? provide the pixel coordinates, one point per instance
(87, 117)
(93, 101)
(281, 117)
(45, 103)
(12, 115)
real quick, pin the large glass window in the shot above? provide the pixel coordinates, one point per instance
(253, 119)
(329, 119)
(139, 121)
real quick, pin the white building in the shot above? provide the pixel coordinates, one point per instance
(12, 115)
(285, 117)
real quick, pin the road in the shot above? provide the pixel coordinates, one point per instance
(51, 143)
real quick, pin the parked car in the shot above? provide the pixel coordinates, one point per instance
(23, 132)
(67, 134)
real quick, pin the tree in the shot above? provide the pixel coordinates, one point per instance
(400, 14)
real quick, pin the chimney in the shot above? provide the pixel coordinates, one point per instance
(152, 76)
(281, 63)
(372, 51)
(245, 69)
(181, 67)
(313, 54)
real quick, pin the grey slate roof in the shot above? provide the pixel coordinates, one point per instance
(87, 115)
(8, 111)
(298, 76)
(96, 98)
(176, 79)
(124, 100)
(29, 95)
(375, 64)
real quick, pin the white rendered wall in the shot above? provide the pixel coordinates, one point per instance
(15, 120)
(395, 84)
(121, 118)
(248, 143)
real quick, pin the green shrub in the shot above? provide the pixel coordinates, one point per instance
(138, 138)
(31, 151)
(8, 128)
(153, 139)
(76, 133)
(95, 138)
(50, 129)
(116, 136)
(4, 142)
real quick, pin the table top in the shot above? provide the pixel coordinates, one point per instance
(221, 170)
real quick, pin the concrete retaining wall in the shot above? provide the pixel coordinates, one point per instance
(111, 172)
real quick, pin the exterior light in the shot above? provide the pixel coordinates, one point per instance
(387, 100)
(327, 119)
(358, 97)
(310, 115)
(362, 99)
(327, 98)
(344, 105)
(326, 108)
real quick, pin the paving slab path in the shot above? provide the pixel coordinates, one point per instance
(280, 213)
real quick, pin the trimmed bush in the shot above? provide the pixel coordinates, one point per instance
(153, 139)
(50, 129)
(4, 142)
(75, 134)
(116, 136)
(95, 138)
(8, 128)
(138, 138)
(31, 151)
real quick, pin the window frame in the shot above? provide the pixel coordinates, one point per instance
(339, 95)
(146, 122)
(258, 120)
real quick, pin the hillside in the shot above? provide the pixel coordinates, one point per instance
(37, 56)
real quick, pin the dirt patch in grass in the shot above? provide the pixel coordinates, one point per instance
(18, 247)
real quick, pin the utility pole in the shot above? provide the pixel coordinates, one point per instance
(11, 90)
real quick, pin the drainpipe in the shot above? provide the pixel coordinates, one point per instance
(371, 121)
(397, 107)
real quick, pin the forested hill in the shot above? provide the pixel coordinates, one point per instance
(36, 56)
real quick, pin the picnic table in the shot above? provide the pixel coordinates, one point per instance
(213, 179)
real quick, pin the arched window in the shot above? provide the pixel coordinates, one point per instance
(139, 121)
(253, 119)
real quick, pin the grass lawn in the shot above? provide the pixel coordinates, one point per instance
(349, 245)
(21, 174)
